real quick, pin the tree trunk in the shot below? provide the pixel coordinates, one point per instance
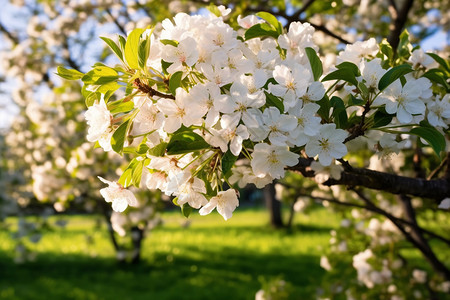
(291, 215)
(273, 205)
(137, 235)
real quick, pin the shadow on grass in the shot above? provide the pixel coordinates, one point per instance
(224, 274)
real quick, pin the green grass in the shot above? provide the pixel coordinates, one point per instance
(211, 259)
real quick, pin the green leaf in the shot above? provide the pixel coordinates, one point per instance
(158, 150)
(100, 75)
(355, 101)
(324, 110)
(261, 30)
(386, 49)
(272, 20)
(175, 81)
(144, 52)
(170, 42)
(392, 75)
(316, 64)
(69, 74)
(437, 76)
(345, 74)
(92, 98)
(108, 87)
(430, 134)
(404, 46)
(164, 66)
(137, 173)
(126, 178)
(131, 48)
(348, 65)
(116, 49)
(185, 142)
(363, 89)
(214, 9)
(142, 148)
(186, 210)
(228, 161)
(122, 107)
(339, 112)
(381, 118)
(118, 137)
(122, 43)
(272, 100)
(442, 62)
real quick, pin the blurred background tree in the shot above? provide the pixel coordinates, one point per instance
(39, 165)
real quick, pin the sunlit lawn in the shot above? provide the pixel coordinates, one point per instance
(210, 259)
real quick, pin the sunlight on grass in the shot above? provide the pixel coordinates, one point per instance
(206, 258)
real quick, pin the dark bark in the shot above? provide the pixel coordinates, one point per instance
(273, 205)
(436, 189)
(291, 215)
(399, 22)
(137, 236)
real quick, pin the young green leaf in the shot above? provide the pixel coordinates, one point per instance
(272, 20)
(404, 47)
(228, 161)
(363, 89)
(118, 137)
(272, 100)
(122, 107)
(316, 64)
(126, 179)
(444, 63)
(114, 47)
(185, 142)
(132, 48)
(175, 81)
(432, 136)
(169, 42)
(392, 75)
(339, 112)
(143, 52)
(137, 173)
(69, 74)
(345, 74)
(158, 150)
(186, 210)
(261, 30)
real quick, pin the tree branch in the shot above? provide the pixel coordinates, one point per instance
(296, 17)
(116, 22)
(146, 89)
(10, 36)
(436, 189)
(399, 22)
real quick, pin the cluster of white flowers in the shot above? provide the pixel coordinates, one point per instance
(226, 100)
(256, 98)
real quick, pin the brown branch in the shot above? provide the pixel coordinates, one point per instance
(370, 206)
(439, 168)
(10, 36)
(436, 189)
(422, 243)
(359, 129)
(399, 23)
(305, 6)
(146, 89)
(296, 18)
(116, 22)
